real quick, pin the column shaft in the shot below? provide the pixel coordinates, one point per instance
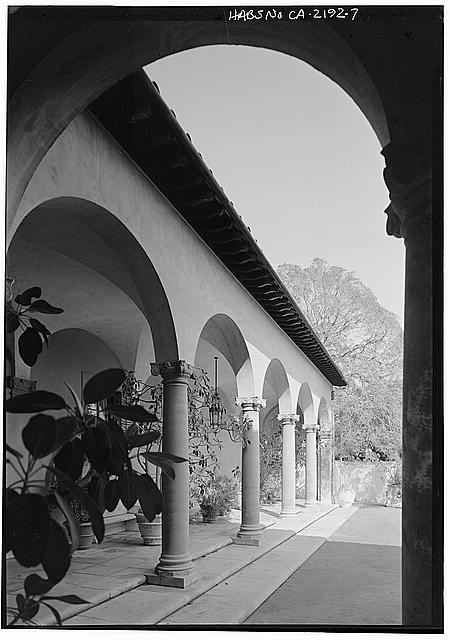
(175, 563)
(326, 467)
(420, 596)
(288, 464)
(250, 519)
(311, 465)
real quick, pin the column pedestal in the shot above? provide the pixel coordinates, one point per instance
(175, 567)
(288, 473)
(251, 527)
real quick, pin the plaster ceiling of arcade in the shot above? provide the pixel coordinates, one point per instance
(89, 300)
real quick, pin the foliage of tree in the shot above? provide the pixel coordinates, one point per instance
(366, 342)
(271, 457)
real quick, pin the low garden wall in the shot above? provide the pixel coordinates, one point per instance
(370, 480)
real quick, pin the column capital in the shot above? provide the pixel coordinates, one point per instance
(408, 177)
(288, 418)
(310, 427)
(172, 369)
(250, 403)
(324, 438)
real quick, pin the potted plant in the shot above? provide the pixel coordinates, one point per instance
(346, 495)
(86, 532)
(218, 498)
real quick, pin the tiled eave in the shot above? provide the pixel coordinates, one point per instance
(139, 119)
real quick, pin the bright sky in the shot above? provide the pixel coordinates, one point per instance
(294, 154)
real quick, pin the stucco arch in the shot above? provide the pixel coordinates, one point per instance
(80, 236)
(63, 86)
(306, 403)
(276, 389)
(323, 415)
(224, 335)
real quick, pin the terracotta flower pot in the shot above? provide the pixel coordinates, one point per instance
(346, 496)
(209, 517)
(86, 535)
(150, 531)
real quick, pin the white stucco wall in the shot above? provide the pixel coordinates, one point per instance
(85, 162)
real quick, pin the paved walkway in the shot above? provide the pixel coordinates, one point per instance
(323, 566)
(353, 579)
(118, 566)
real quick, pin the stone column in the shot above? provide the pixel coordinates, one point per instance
(326, 466)
(415, 216)
(175, 567)
(288, 421)
(250, 524)
(311, 465)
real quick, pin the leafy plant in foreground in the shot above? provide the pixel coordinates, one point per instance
(33, 331)
(33, 536)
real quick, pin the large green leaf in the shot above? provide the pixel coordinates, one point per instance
(149, 496)
(28, 524)
(112, 495)
(65, 428)
(97, 446)
(36, 586)
(103, 385)
(166, 461)
(71, 521)
(143, 439)
(118, 438)
(133, 413)
(34, 402)
(42, 306)
(39, 435)
(26, 297)
(70, 459)
(96, 517)
(30, 346)
(96, 489)
(12, 321)
(56, 560)
(41, 328)
(30, 609)
(128, 493)
(71, 599)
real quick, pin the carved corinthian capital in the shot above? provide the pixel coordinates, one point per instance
(250, 403)
(288, 418)
(408, 178)
(172, 369)
(310, 427)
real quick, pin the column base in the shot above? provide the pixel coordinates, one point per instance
(249, 541)
(168, 579)
(289, 514)
(311, 503)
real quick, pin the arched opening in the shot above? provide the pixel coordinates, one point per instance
(69, 87)
(305, 404)
(221, 338)
(68, 241)
(277, 394)
(323, 416)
